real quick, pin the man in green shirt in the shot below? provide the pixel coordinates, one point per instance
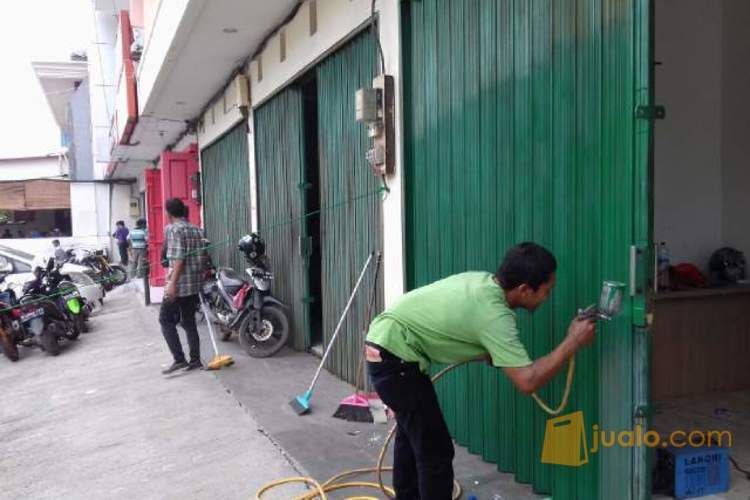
(468, 316)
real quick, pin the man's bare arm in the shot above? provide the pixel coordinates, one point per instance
(529, 379)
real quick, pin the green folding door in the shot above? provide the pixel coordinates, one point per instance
(225, 175)
(279, 155)
(520, 124)
(350, 221)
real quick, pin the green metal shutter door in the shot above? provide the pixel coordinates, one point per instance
(351, 228)
(225, 176)
(279, 157)
(519, 125)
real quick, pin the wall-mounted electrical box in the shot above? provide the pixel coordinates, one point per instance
(375, 107)
(135, 207)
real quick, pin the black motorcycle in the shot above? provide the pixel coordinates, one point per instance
(19, 324)
(64, 309)
(246, 306)
(101, 270)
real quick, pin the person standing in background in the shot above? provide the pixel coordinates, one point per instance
(138, 238)
(60, 255)
(121, 236)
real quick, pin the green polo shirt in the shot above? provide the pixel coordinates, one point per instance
(455, 319)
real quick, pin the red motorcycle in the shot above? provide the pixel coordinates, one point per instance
(246, 306)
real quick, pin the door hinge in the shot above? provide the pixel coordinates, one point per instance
(650, 112)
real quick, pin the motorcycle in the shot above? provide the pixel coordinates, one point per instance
(246, 306)
(64, 309)
(19, 325)
(108, 275)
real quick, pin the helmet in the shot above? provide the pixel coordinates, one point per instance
(253, 246)
(727, 265)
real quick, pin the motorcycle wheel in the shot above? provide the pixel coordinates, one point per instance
(226, 334)
(10, 349)
(49, 340)
(272, 337)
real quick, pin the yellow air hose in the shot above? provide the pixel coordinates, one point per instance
(319, 490)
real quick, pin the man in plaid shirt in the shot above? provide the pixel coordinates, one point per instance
(185, 247)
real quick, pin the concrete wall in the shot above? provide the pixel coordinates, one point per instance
(688, 185)
(338, 20)
(735, 145)
(31, 168)
(701, 167)
(162, 23)
(80, 122)
(225, 113)
(102, 62)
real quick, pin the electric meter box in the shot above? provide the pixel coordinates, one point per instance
(366, 105)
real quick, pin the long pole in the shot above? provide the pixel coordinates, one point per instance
(341, 322)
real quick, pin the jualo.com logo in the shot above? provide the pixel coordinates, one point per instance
(566, 442)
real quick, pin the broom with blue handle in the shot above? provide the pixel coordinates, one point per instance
(301, 403)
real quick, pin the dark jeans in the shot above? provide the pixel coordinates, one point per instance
(423, 450)
(180, 311)
(123, 247)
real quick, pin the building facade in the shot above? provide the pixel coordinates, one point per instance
(506, 121)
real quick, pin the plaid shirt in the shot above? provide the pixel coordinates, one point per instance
(185, 242)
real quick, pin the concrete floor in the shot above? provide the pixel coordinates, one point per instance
(100, 422)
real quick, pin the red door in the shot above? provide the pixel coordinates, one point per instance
(176, 172)
(155, 210)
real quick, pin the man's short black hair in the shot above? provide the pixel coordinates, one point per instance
(526, 263)
(120, 223)
(176, 208)
(54, 242)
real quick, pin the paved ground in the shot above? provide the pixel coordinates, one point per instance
(99, 421)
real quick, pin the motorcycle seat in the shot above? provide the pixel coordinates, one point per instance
(229, 278)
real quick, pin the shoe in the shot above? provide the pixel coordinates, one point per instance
(175, 366)
(194, 365)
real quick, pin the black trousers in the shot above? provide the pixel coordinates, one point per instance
(123, 247)
(180, 311)
(423, 449)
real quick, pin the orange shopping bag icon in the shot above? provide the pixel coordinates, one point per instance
(565, 441)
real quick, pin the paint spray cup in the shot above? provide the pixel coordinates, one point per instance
(610, 300)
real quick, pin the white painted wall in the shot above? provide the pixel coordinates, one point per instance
(225, 113)
(702, 172)
(185, 142)
(736, 125)
(164, 19)
(337, 21)
(102, 62)
(16, 169)
(85, 210)
(688, 176)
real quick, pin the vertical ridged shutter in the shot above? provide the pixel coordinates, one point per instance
(519, 125)
(350, 219)
(225, 176)
(279, 150)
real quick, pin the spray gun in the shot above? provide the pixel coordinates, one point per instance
(610, 303)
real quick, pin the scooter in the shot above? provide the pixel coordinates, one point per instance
(19, 325)
(108, 275)
(246, 306)
(64, 309)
